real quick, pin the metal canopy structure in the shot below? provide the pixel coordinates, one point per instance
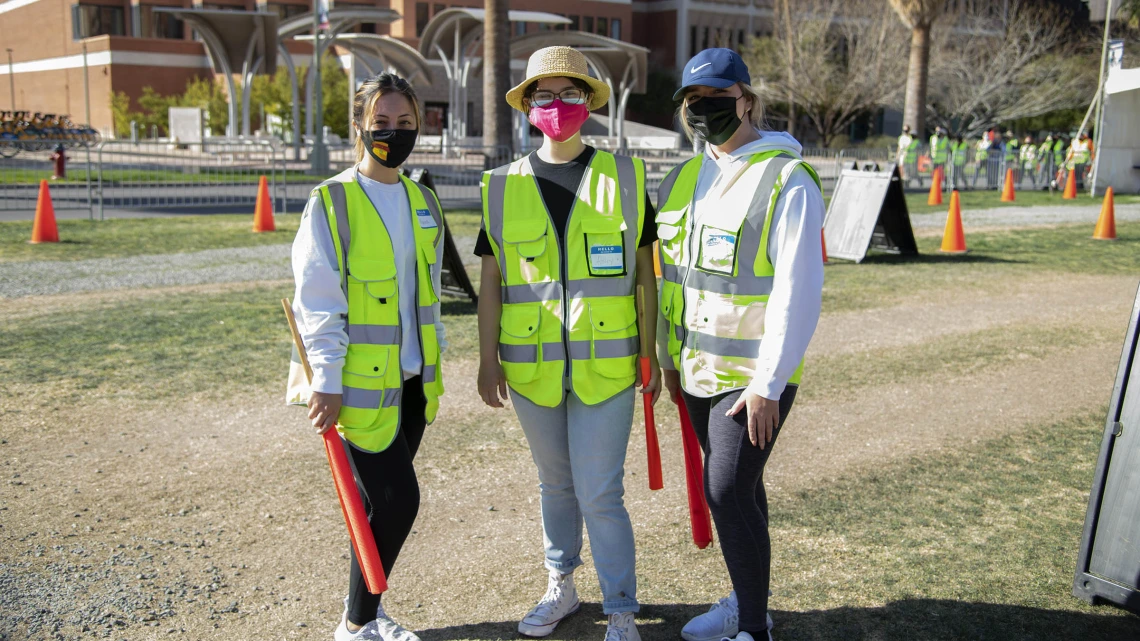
(235, 39)
(621, 65)
(341, 19)
(455, 35)
(378, 54)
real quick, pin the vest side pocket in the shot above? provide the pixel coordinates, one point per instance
(524, 249)
(518, 341)
(372, 293)
(614, 346)
(670, 231)
(725, 317)
(366, 384)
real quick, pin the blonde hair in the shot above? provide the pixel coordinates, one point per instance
(755, 110)
(364, 102)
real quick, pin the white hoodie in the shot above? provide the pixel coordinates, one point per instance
(794, 247)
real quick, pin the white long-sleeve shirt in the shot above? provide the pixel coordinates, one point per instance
(319, 302)
(794, 246)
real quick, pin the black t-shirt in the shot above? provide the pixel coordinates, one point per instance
(558, 184)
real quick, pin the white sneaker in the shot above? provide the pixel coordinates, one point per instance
(744, 636)
(369, 632)
(722, 621)
(390, 630)
(621, 627)
(559, 602)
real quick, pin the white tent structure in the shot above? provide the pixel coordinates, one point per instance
(1118, 159)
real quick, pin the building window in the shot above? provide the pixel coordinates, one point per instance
(286, 11)
(588, 24)
(705, 42)
(92, 20)
(740, 37)
(603, 26)
(520, 28)
(692, 41)
(363, 27)
(161, 25)
(560, 26)
(421, 17)
(437, 8)
(573, 26)
(615, 28)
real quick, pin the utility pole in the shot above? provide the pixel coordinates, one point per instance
(11, 80)
(791, 67)
(87, 123)
(1100, 103)
(319, 157)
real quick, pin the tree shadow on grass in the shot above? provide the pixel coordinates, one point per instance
(910, 619)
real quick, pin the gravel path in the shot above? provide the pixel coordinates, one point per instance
(269, 262)
(1026, 216)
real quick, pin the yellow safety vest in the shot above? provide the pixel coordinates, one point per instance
(716, 278)
(372, 377)
(578, 303)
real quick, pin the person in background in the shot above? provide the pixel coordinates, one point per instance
(1028, 159)
(367, 260)
(742, 281)
(960, 154)
(567, 238)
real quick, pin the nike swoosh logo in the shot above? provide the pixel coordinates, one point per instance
(696, 69)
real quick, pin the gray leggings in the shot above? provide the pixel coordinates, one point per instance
(734, 485)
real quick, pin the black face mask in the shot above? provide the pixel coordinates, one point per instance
(713, 119)
(391, 147)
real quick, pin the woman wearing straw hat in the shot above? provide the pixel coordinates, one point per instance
(742, 272)
(367, 261)
(566, 240)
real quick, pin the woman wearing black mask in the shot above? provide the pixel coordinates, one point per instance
(367, 263)
(742, 267)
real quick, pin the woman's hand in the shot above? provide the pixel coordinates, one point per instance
(763, 416)
(492, 383)
(654, 385)
(672, 380)
(324, 409)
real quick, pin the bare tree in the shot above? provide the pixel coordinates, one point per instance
(838, 60)
(988, 71)
(496, 73)
(918, 16)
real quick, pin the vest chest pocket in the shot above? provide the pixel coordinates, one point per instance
(670, 232)
(372, 293)
(717, 251)
(524, 249)
(518, 342)
(605, 245)
(615, 342)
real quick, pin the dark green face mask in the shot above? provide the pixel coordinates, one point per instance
(713, 119)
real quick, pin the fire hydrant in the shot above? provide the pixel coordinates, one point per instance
(60, 160)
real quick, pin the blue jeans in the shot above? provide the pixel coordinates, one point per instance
(580, 453)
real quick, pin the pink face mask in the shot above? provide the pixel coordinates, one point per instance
(559, 120)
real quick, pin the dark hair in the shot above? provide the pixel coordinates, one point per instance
(369, 92)
(578, 82)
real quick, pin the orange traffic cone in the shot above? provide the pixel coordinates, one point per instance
(935, 196)
(954, 239)
(1007, 195)
(263, 211)
(823, 244)
(1070, 186)
(44, 229)
(1106, 224)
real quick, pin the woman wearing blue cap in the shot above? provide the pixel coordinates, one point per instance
(742, 271)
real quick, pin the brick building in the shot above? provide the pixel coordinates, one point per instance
(129, 45)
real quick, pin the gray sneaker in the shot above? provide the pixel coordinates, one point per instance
(621, 627)
(722, 621)
(559, 602)
(390, 630)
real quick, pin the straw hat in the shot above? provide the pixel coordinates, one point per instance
(559, 62)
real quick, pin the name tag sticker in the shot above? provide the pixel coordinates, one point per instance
(718, 249)
(427, 221)
(606, 257)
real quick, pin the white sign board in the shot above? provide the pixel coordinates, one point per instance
(186, 124)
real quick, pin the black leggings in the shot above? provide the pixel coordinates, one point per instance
(734, 486)
(391, 493)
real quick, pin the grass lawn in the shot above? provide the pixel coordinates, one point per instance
(119, 237)
(988, 199)
(978, 543)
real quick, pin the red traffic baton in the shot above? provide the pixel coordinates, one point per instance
(351, 505)
(699, 517)
(652, 447)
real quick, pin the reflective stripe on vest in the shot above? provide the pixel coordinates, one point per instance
(706, 311)
(574, 297)
(371, 376)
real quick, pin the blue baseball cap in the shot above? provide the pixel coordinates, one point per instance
(720, 68)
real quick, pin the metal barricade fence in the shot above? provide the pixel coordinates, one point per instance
(22, 168)
(217, 175)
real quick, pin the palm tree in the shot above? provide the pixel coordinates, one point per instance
(496, 74)
(919, 15)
